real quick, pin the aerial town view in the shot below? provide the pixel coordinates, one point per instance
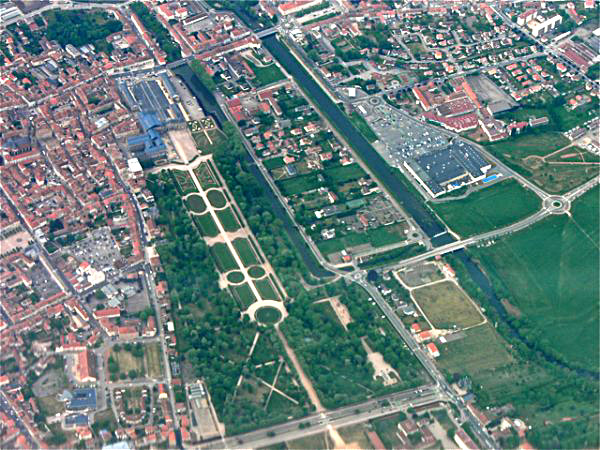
(299, 224)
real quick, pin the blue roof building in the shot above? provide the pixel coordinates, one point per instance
(83, 399)
(150, 144)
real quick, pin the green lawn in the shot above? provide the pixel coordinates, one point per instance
(223, 257)
(235, 277)
(274, 163)
(492, 207)
(256, 272)
(480, 350)
(518, 147)
(392, 256)
(228, 219)
(342, 174)
(266, 289)
(206, 225)
(216, 198)
(244, 295)
(245, 251)
(361, 125)
(445, 305)
(195, 203)
(377, 237)
(266, 75)
(268, 315)
(299, 184)
(153, 359)
(550, 272)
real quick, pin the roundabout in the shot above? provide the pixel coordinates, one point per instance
(556, 204)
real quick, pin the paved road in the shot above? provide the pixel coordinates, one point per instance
(319, 422)
(7, 407)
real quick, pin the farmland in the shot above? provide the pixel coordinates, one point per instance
(490, 208)
(546, 271)
(447, 306)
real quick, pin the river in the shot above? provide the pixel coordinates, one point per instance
(413, 204)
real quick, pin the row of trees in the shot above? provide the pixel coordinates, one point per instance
(158, 31)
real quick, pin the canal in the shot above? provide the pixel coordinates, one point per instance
(381, 170)
(410, 201)
(210, 105)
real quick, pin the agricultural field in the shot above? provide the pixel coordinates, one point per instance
(195, 204)
(447, 306)
(480, 350)
(487, 209)
(546, 272)
(245, 251)
(206, 225)
(228, 219)
(223, 257)
(216, 198)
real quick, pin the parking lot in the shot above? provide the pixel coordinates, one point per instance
(400, 138)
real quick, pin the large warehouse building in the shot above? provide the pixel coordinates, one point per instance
(449, 168)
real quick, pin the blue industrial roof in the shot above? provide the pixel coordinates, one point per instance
(84, 398)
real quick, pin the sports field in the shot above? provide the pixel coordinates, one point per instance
(447, 306)
(492, 207)
(550, 273)
(223, 257)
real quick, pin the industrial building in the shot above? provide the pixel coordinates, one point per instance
(446, 169)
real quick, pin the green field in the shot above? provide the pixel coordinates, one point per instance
(267, 74)
(299, 184)
(487, 209)
(195, 203)
(266, 289)
(273, 163)
(206, 225)
(153, 358)
(223, 257)
(268, 315)
(228, 219)
(549, 272)
(245, 251)
(361, 125)
(377, 237)
(256, 272)
(206, 176)
(480, 350)
(446, 306)
(244, 295)
(235, 277)
(522, 153)
(216, 198)
(342, 174)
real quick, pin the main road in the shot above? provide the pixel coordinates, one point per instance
(320, 422)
